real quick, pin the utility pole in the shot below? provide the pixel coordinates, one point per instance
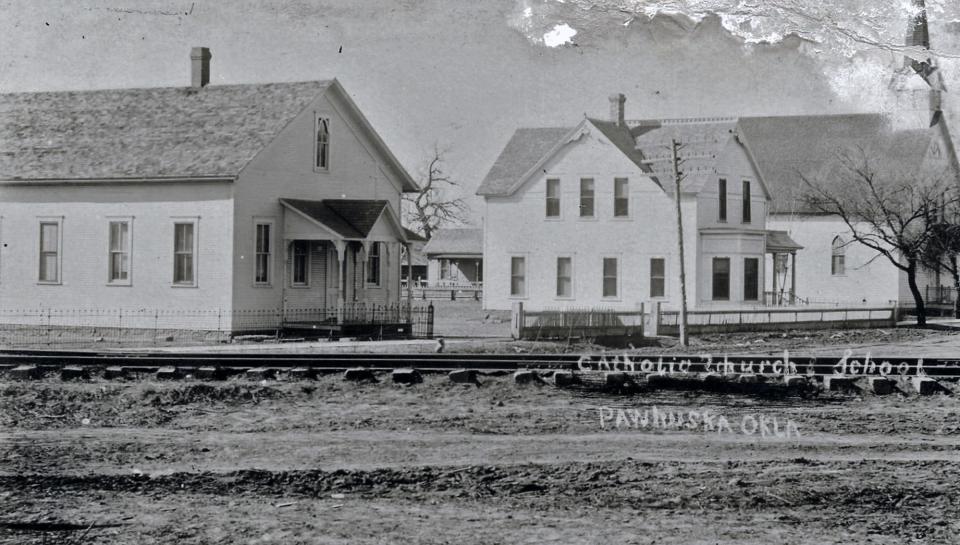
(684, 341)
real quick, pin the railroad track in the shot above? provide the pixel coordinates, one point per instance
(938, 368)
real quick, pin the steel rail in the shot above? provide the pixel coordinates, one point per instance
(818, 366)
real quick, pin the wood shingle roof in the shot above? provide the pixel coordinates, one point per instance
(171, 132)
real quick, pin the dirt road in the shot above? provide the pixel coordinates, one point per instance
(332, 462)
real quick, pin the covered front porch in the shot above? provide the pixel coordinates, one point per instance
(783, 267)
(341, 270)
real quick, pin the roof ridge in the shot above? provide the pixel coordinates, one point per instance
(167, 87)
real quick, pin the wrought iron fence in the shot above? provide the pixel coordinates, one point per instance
(56, 327)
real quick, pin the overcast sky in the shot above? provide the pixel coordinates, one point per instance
(465, 74)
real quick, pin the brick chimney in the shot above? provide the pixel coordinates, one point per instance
(199, 67)
(616, 108)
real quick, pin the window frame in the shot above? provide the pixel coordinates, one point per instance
(306, 268)
(128, 220)
(271, 244)
(524, 292)
(558, 198)
(713, 278)
(722, 200)
(592, 198)
(663, 278)
(624, 198)
(194, 239)
(570, 277)
(321, 120)
(603, 277)
(756, 279)
(746, 212)
(379, 267)
(838, 249)
(50, 220)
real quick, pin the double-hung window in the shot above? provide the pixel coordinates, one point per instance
(518, 276)
(586, 197)
(564, 277)
(722, 200)
(263, 253)
(621, 197)
(746, 201)
(373, 265)
(49, 272)
(721, 279)
(119, 254)
(610, 277)
(658, 277)
(301, 263)
(751, 279)
(184, 254)
(553, 198)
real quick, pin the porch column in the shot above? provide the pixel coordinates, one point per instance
(773, 298)
(362, 256)
(387, 266)
(793, 277)
(409, 273)
(341, 247)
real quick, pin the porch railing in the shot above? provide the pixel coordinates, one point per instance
(782, 298)
(942, 295)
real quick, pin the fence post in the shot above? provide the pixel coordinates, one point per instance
(119, 326)
(430, 320)
(280, 318)
(642, 314)
(655, 316)
(516, 320)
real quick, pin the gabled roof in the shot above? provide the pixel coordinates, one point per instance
(155, 133)
(703, 140)
(461, 241)
(784, 146)
(171, 132)
(414, 236)
(786, 149)
(781, 148)
(623, 138)
(525, 148)
(780, 241)
(646, 143)
(348, 218)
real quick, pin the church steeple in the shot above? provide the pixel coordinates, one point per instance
(918, 84)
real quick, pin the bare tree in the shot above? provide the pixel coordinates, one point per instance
(430, 207)
(889, 205)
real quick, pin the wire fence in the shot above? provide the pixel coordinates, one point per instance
(57, 327)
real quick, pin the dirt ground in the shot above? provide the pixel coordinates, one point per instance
(326, 461)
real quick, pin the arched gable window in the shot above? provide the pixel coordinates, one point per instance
(322, 157)
(838, 256)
